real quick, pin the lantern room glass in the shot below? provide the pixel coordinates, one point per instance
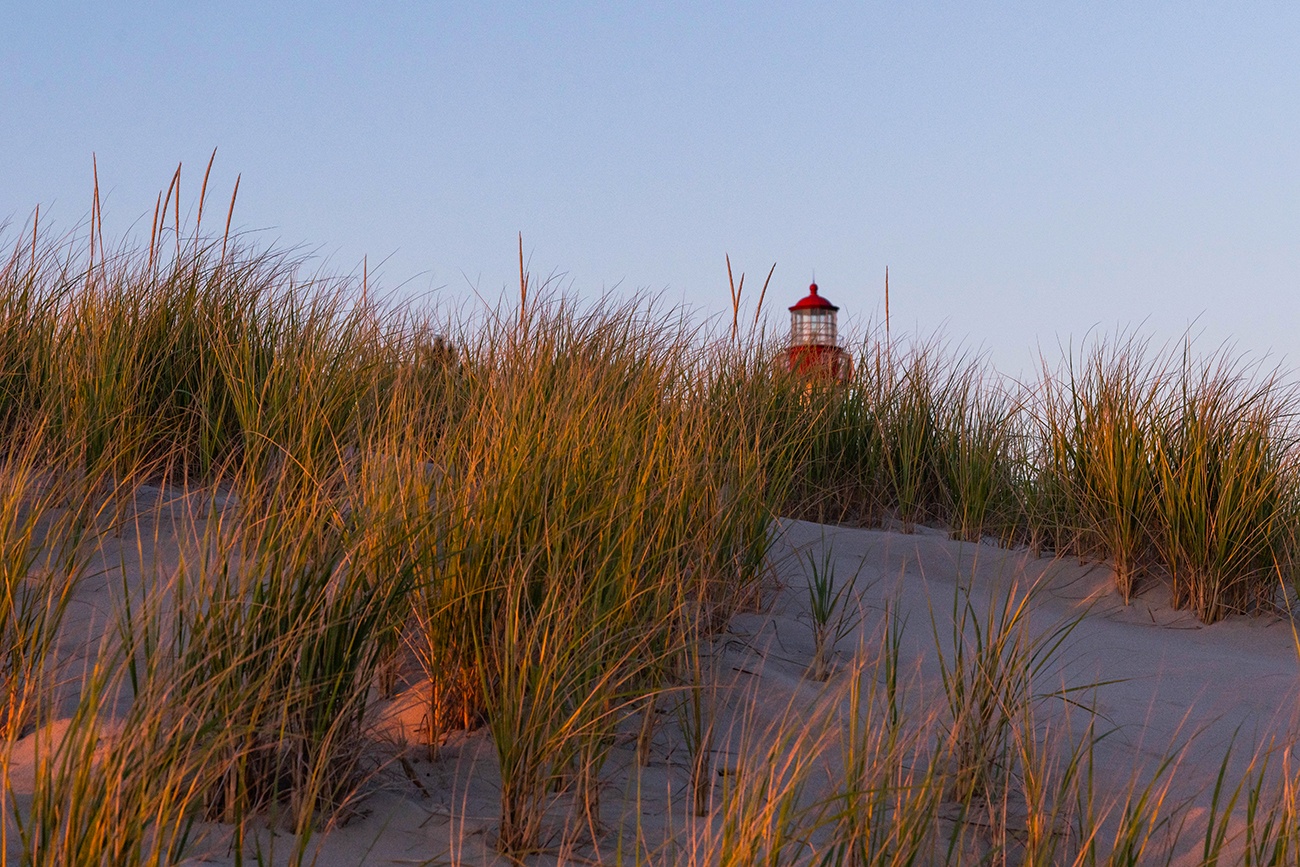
(812, 327)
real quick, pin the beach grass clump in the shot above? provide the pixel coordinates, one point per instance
(829, 610)
(1098, 423)
(919, 436)
(987, 679)
(604, 478)
(28, 317)
(1164, 468)
(980, 462)
(113, 786)
(235, 689)
(283, 620)
(1227, 486)
(911, 388)
(842, 479)
(179, 366)
(115, 354)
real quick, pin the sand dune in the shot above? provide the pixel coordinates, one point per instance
(1153, 683)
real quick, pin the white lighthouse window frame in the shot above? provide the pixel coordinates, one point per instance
(813, 327)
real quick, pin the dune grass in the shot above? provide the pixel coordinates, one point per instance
(1225, 464)
(553, 509)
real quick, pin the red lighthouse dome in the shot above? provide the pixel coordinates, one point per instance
(813, 300)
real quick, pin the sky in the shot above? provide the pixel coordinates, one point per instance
(1030, 173)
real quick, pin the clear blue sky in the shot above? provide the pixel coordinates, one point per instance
(1027, 171)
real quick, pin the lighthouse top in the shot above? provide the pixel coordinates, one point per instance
(812, 321)
(813, 301)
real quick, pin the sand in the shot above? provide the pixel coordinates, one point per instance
(1169, 686)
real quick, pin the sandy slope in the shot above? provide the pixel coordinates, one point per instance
(1182, 689)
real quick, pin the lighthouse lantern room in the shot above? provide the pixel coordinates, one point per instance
(812, 321)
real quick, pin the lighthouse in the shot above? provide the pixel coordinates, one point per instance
(814, 349)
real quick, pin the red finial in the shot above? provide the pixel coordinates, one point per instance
(812, 289)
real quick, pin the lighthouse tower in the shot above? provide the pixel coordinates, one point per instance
(814, 349)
